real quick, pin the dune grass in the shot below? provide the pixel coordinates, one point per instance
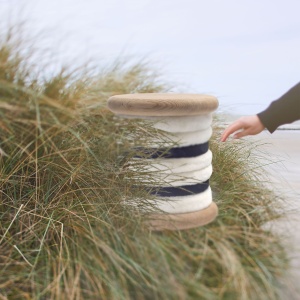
(64, 233)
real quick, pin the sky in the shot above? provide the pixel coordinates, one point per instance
(246, 53)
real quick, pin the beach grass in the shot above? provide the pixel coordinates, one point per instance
(64, 230)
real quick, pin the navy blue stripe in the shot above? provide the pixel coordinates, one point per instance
(180, 190)
(179, 152)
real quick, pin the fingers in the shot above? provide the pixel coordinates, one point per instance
(237, 125)
(225, 135)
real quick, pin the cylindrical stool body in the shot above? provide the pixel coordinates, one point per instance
(185, 200)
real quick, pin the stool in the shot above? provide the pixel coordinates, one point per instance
(186, 199)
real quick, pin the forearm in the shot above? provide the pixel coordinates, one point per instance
(285, 110)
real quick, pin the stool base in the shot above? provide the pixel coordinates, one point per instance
(159, 222)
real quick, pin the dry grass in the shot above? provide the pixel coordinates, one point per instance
(63, 231)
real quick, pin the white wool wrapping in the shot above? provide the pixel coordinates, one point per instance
(183, 204)
(179, 179)
(175, 205)
(176, 172)
(183, 139)
(177, 124)
(174, 165)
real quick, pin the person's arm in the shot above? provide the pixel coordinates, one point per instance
(285, 110)
(282, 111)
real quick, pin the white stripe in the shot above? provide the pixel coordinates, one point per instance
(183, 204)
(177, 124)
(183, 139)
(173, 179)
(172, 165)
(187, 178)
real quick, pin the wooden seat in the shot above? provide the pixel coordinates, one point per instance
(162, 104)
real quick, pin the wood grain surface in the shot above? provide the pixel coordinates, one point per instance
(167, 104)
(159, 222)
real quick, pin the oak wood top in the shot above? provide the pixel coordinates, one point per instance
(158, 104)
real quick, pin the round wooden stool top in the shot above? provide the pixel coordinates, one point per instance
(166, 104)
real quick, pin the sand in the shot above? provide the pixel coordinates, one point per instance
(283, 148)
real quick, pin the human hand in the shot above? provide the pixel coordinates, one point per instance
(249, 125)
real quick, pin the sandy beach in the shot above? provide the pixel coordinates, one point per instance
(283, 149)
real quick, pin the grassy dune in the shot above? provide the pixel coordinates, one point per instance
(64, 233)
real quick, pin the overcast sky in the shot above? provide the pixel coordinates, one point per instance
(246, 53)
